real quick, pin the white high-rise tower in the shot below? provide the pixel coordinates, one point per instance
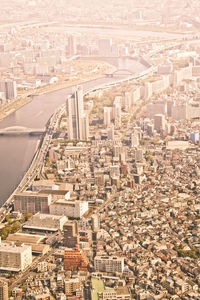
(77, 119)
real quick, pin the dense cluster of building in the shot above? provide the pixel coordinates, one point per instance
(115, 211)
(142, 182)
(178, 14)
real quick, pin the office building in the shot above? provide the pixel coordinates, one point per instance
(105, 47)
(28, 202)
(3, 290)
(109, 264)
(179, 111)
(111, 132)
(126, 101)
(78, 124)
(15, 258)
(85, 127)
(107, 115)
(8, 87)
(117, 111)
(72, 49)
(147, 90)
(75, 112)
(157, 107)
(69, 208)
(159, 122)
(71, 238)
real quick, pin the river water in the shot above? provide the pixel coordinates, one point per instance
(16, 152)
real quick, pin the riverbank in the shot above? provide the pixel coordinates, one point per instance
(15, 105)
(134, 27)
(17, 152)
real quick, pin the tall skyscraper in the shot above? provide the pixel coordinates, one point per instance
(117, 111)
(85, 126)
(111, 132)
(78, 125)
(72, 50)
(107, 115)
(3, 290)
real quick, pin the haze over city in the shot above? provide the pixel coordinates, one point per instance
(99, 149)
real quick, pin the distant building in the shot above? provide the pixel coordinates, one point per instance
(179, 111)
(117, 111)
(194, 137)
(159, 122)
(157, 107)
(165, 68)
(127, 101)
(72, 49)
(111, 132)
(107, 115)
(105, 47)
(8, 87)
(78, 124)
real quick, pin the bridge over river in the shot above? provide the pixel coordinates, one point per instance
(20, 130)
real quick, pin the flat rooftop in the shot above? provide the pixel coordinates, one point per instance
(43, 182)
(26, 238)
(11, 248)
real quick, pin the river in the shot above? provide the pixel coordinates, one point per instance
(16, 152)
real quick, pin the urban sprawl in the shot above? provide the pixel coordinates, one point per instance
(110, 206)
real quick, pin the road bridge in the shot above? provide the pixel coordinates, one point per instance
(120, 72)
(20, 130)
